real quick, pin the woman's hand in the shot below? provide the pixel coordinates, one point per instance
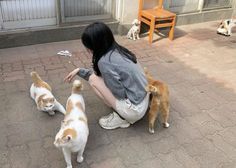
(71, 75)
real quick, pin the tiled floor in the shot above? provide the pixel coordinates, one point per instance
(200, 68)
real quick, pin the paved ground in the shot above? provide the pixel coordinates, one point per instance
(200, 68)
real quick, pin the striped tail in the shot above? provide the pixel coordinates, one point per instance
(77, 87)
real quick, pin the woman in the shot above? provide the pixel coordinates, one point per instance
(117, 78)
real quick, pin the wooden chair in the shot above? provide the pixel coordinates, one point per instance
(157, 18)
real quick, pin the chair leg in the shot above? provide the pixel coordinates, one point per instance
(151, 31)
(172, 29)
(139, 19)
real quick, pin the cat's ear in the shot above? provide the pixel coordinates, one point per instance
(52, 100)
(40, 103)
(68, 138)
(63, 122)
(154, 89)
(39, 106)
(148, 88)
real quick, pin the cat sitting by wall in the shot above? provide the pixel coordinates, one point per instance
(73, 135)
(41, 93)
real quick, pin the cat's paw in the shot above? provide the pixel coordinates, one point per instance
(151, 130)
(51, 113)
(68, 166)
(166, 125)
(80, 159)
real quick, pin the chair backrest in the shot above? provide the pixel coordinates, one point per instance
(160, 4)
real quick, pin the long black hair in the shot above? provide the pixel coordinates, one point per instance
(99, 38)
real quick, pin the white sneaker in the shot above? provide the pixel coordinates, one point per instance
(113, 121)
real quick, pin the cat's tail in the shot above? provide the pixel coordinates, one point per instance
(35, 77)
(147, 74)
(77, 86)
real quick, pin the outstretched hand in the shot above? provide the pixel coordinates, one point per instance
(71, 75)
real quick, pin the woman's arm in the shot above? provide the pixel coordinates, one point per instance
(71, 75)
(82, 72)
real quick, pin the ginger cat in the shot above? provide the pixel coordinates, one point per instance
(159, 101)
(41, 93)
(74, 131)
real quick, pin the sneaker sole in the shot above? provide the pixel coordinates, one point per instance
(120, 126)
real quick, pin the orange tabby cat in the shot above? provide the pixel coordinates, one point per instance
(159, 101)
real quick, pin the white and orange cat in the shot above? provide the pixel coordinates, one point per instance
(41, 92)
(74, 131)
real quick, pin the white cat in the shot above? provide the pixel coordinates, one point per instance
(40, 91)
(134, 31)
(74, 131)
(226, 26)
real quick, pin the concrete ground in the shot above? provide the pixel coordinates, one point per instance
(199, 67)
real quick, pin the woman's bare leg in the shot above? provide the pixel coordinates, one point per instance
(102, 91)
(99, 87)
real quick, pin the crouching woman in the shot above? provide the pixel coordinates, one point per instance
(116, 78)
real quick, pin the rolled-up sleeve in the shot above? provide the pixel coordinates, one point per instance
(84, 73)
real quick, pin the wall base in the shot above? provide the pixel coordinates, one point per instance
(47, 34)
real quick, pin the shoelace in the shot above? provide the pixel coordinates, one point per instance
(111, 116)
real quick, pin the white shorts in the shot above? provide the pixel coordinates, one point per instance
(131, 112)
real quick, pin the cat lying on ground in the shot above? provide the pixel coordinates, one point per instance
(225, 27)
(74, 131)
(41, 93)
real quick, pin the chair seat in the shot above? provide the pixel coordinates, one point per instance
(157, 13)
